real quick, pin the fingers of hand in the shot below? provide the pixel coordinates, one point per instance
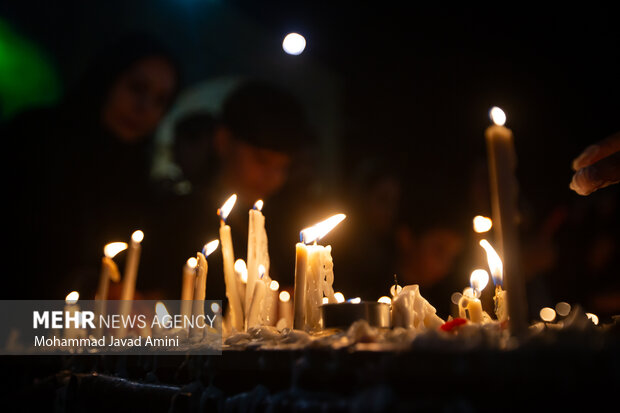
(599, 175)
(595, 153)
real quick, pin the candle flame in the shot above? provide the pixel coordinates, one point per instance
(162, 313)
(242, 270)
(395, 290)
(285, 296)
(137, 236)
(497, 116)
(547, 314)
(274, 285)
(210, 247)
(355, 300)
(261, 271)
(495, 262)
(72, 297)
(227, 207)
(113, 248)
(339, 297)
(215, 307)
(258, 205)
(318, 231)
(478, 280)
(385, 299)
(325, 300)
(482, 224)
(593, 317)
(192, 262)
(468, 292)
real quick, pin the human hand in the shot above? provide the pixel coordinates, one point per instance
(598, 166)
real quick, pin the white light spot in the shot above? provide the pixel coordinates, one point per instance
(294, 44)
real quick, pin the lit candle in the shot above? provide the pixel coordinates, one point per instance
(272, 304)
(469, 305)
(258, 250)
(241, 273)
(504, 191)
(128, 285)
(496, 267)
(482, 224)
(187, 288)
(228, 257)
(255, 313)
(131, 267)
(163, 320)
(200, 288)
(285, 310)
(314, 274)
(71, 307)
(109, 271)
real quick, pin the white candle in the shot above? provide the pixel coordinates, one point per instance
(71, 308)
(187, 288)
(255, 313)
(241, 273)
(285, 310)
(469, 305)
(504, 191)
(128, 286)
(258, 250)
(496, 267)
(228, 257)
(200, 288)
(131, 266)
(109, 271)
(272, 303)
(314, 274)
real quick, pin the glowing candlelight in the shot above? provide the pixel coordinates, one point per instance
(497, 273)
(187, 288)
(547, 314)
(163, 316)
(339, 297)
(502, 161)
(113, 248)
(285, 311)
(355, 300)
(314, 274)
(258, 253)
(482, 224)
(469, 304)
(200, 287)
(228, 258)
(72, 330)
(385, 299)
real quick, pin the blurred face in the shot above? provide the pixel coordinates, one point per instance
(139, 99)
(255, 172)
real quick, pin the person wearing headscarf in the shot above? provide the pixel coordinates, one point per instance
(78, 176)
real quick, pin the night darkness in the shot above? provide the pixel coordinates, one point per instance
(405, 87)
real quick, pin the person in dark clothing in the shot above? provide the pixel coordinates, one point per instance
(79, 176)
(261, 131)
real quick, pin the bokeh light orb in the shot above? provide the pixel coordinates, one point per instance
(294, 44)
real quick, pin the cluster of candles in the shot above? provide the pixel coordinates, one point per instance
(254, 298)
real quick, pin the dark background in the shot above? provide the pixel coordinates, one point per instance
(412, 85)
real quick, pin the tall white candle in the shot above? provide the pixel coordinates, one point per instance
(258, 251)
(109, 272)
(200, 287)
(241, 274)
(128, 285)
(187, 287)
(228, 257)
(314, 274)
(504, 191)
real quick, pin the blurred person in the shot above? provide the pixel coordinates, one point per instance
(257, 140)
(83, 167)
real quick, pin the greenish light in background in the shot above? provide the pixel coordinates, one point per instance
(27, 77)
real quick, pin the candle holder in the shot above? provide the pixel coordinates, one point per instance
(342, 315)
